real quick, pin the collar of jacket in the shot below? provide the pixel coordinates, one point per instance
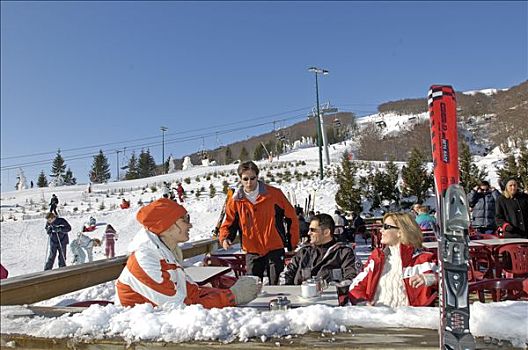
(239, 194)
(406, 252)
(145, 239)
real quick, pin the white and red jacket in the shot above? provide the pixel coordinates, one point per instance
(363, 287)
(153, 275)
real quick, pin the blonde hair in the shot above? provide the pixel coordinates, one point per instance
(410, 231)
(506, 193)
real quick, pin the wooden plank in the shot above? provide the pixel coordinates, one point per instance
(355, 338)
(38, 286)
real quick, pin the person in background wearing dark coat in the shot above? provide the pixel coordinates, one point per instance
(53, 204)
(512, 211)
(324, 258)
(57, 229)
(303, 225)
(482, 200)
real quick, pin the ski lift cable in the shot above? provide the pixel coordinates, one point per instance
(142, 146)
(151, 137)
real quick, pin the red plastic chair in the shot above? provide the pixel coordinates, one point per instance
(237, 262)
(514, 259)
(500, 289)
(481, 265)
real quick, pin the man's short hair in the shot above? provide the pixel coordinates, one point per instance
(249, 165)
(484, 183)
(325, 221)
(50, 216)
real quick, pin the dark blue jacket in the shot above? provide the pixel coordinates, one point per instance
(483, 204)
(58, 231)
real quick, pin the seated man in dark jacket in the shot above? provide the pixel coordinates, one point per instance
(324, 258)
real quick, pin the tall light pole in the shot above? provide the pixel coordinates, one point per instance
(317, 71)
(163, 129)
(117, 167)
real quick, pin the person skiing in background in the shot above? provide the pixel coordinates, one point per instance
(57, 230)
(482, 200)
(54, 202)
(124, 204)
(109, 238)
(512, 211)
(81, 247)
(266, 221)
(31, 183)
(154, 272)
(180, 192)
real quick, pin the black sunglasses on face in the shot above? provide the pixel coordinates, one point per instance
(315, 229)
(389, 227)
(249, 178)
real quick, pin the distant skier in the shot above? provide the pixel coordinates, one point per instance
(109, 238)
(31, 183)
(57, 229)
(81, 247)
(125, 204)
(180, 192)
(53, 204)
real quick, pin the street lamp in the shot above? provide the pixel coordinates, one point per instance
(317, 71)
(163, 129)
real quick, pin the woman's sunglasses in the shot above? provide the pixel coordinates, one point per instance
(390, 227)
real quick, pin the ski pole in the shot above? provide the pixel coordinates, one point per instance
(60, 247)
(47, 251)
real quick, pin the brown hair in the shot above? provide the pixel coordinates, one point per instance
(50, 216)
(249, 165)
(410, 231)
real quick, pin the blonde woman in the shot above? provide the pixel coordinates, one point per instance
(399, 274)
(512, 211)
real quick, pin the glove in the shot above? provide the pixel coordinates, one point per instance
(245, 289)
(507, 228)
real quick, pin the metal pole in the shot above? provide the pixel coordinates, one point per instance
(163, 129)
(117, 164)
(319, 132)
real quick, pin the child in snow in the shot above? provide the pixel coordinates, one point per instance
(109, 238)
(82, 246)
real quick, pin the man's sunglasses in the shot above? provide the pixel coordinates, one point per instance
(245, 178)
(390, 227)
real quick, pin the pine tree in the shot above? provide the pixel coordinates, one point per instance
(228, 156)
(470, 174)
(58, 169)
(132, 169)
(523, 166)
(244, 155)
(393, 174)
(258, 154)
(347, 197)
(212, 190)
(509, 169)
(100, 168)
(146, 165)
(42, 181)
(415, 177)
(69, 179)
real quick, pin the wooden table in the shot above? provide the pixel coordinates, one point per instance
(293, 293)
(205, 274)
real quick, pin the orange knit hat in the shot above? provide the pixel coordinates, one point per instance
(159, 215)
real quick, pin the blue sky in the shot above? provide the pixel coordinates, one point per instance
(79, 74)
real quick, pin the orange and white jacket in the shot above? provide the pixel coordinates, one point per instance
(154, 275)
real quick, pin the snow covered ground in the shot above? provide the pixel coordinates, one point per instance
(24, 249)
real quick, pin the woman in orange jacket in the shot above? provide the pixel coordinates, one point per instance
(267, 223)
(154, 273)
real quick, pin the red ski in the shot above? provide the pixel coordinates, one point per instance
(453, 222)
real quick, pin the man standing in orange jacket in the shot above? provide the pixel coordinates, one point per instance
(267, 223)
(154, 273)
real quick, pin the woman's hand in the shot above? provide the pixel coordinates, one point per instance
(417, 281)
